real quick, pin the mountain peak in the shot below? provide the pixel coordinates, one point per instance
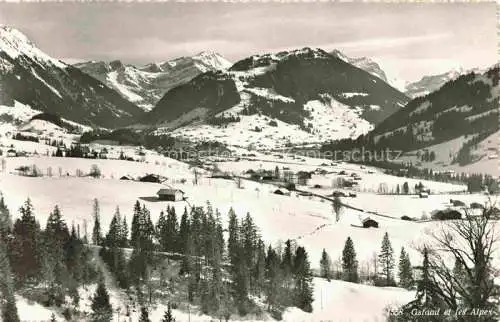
(15, 44)
(212, 59)
(116, 64)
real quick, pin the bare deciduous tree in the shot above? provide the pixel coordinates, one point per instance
(458, 273)
(470, 243)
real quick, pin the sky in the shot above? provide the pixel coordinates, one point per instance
(407, 40)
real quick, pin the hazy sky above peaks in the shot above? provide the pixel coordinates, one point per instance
(407, 40)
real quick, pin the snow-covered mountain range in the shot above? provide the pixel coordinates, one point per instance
(365, 63)
(33, 78)
(298, 96)
(266, 100)
(431, 83)
(146, 85)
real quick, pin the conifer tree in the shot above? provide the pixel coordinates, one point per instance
(124, 233)
(287, 266)
(135, 224)
(325, 265)
(260, 268)
(8, 307)
(183, 236)
(144, 315)
(219, 231)
(386, 261)
(274, 278)
(113, 254)
(349, 262)
(161, 229)
(406, 188)
(5, 220)
(303, 291)
(101, 308)
(241, 277)
(26, 249)
(113, 236)
(141, 257)
(74, 256)
(248, 233)
(55, 240)
(168, 317)
(233, 242)
(405, 270)
(96, 231)
(427, 297)
(172, 229)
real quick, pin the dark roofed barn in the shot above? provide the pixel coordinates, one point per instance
(446, 214)
(170, 194)
(368, 222)
(150, 178)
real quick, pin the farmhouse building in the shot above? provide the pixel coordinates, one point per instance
(368, 222)
(282, 191)
(150, 178)
(170, 194)
(11, 153)
(423, 195)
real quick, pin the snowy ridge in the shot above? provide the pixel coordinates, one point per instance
(14, 43)
(366, 64)
(213, 60)
(18, 118)
(431, 83)
(146, 85)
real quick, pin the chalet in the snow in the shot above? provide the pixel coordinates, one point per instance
(368, 222)
(170, 194)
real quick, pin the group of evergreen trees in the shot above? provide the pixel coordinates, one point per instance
(53, 260)
(386, 263)
(24, 137)
(221, 276)
(223, 120)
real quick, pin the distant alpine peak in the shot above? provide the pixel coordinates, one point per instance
(116, 64)
(213, 59)
(337, 53)
(14, 43)
(364, 63)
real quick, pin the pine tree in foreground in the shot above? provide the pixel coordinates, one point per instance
(405, 270)
(101, 308)
(168, 317)
(303, 291)
(8, 302)
(427, 298)
(26, 249)
(144, 315)
(386, 261)
(349, 262)
(5, 220)
(325, 265)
